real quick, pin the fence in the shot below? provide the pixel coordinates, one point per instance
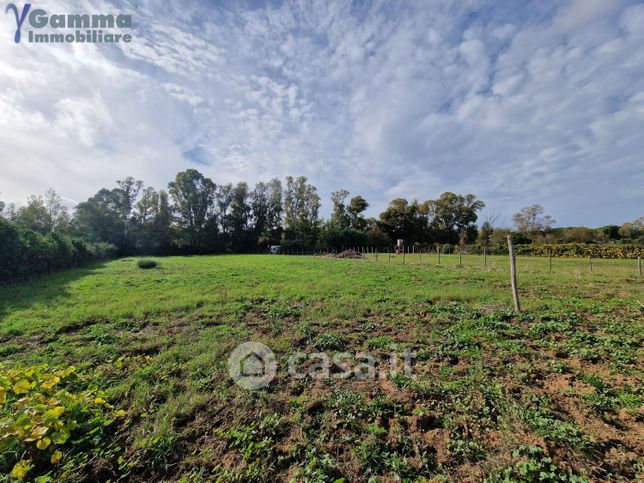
(527, 264)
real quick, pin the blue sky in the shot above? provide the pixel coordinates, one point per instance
(538, 104)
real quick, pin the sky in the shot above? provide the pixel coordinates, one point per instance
(517, 102)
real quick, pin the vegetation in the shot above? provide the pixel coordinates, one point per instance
(582, 250)
(45, 412)
(26, 252)
(197, 216)
(553, 394)
(146, 263)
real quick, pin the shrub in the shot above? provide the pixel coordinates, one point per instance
(581, 250)
(41, 408)
(26, 253)
(146, 263)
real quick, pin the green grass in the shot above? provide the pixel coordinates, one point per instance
(489, 386)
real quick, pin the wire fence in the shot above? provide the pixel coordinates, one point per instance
(526, 264)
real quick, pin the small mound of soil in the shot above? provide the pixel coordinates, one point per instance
(347, 254)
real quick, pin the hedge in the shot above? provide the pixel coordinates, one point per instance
(581, 250)
(25, 253)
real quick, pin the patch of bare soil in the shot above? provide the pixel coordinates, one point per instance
(347, 254)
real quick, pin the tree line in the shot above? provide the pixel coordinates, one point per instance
(194, 215)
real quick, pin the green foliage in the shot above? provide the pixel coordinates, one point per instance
(26, 253)
(552, 428)
(581, 250)
(317, 467)
(43, 412)
(329, 341)
(159, 344)
(301, 210)
(532, 466)
(255, 443)
(146, 263)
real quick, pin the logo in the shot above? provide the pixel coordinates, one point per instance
(20, 18)
(252, 365)
(97, 28)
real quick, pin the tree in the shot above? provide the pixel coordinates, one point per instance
(579, 234)
(274, 227)
(266, 212)
(44, 214)
(610, 232)
(98, 219)
(356, 208)
(633, 231)
(301, 210)
(125, 196)
(193, 196)
(339, 215)
(532, 219)
(487, 228)
(404, 220)
(162, 223)
(239, 218)
(224, 198)
(454, 217)
(485, 234)
(143, 214)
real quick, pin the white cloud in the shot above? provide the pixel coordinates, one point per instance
(542, 105)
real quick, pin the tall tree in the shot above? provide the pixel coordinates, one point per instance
(485, 234)
(339, 215)
(143, 215)
(224, 197)
(239, 218)
(163, 223)
(146, 206)
(404, 220)
(301, 210)
(193, 196)
(453, 217)
(532, 219)
(44, 214)
(275, 210)
(99, 219)
(126, 195)
(357, 206)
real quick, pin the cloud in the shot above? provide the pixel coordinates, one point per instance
(539, 104)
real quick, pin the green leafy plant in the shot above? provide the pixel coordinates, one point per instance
(41, 408)
(533, 465)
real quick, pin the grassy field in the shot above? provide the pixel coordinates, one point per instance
(554, 394)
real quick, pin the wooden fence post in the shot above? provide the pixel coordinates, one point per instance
(639, 265)
(590, 263)
(460, 257)
(485, 257)
(549, 262)
(513, 275)
(438, 249)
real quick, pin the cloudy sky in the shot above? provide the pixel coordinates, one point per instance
(542, 104)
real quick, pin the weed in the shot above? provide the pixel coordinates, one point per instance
(146, 263)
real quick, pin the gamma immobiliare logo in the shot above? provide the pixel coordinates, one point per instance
(41, 27)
